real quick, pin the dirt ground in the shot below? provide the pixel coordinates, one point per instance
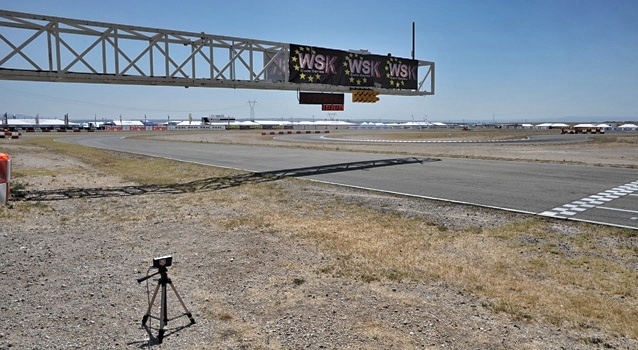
(70, 266)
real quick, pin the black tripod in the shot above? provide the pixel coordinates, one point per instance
(162, 282)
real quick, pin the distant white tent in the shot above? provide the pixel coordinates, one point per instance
(273, 122)
(38, 122)
(628, 127)
(323, 123)
(187, 123)
(128, 122)
(245, 123)
(551, 125)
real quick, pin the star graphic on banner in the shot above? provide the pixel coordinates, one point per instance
(391, 82)
(295, 58)
(347, 71)
(365, 80)
(345, 64)
(302, 76)
(358, 81)
(318, 76)
(296, 66)
(351, 80)
(311, 79)
(403, 83)
(387, 75)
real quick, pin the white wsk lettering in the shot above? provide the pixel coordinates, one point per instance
(319, 62)
(366, 67)
(403, 71)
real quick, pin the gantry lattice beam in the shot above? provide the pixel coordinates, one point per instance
(44, 48)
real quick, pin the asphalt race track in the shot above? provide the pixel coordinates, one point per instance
(583, 193)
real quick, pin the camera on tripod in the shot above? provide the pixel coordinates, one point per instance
(161, 265)
(163, 261)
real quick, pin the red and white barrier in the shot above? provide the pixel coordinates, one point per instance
(10, 135)
(288, 132)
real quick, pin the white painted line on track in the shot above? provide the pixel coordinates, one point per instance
(423, 141)
(618, 209)
(549, 213)
(579, 206)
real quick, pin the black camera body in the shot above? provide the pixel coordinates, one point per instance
(163, 261)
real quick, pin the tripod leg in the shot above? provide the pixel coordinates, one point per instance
(150, 305)
(163, 314)
(188, 313)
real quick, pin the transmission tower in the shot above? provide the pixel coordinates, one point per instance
(252, 110)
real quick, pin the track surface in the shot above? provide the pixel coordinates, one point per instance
(584, 193)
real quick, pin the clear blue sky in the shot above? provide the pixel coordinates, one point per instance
(503, 60)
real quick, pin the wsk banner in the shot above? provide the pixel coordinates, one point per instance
(326, 66)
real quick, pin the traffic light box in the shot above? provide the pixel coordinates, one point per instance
(365, 96)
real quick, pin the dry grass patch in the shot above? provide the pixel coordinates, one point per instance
(131, 167)
(527, 269)
(22, 209)
(522, 269)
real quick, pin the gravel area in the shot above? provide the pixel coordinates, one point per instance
(70, 266)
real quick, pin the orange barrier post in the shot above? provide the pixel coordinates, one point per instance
(5, 176)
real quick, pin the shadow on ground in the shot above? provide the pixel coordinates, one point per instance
(210, 184)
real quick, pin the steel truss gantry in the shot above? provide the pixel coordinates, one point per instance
(44, 48)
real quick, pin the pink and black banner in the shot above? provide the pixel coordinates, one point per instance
(315, 65)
